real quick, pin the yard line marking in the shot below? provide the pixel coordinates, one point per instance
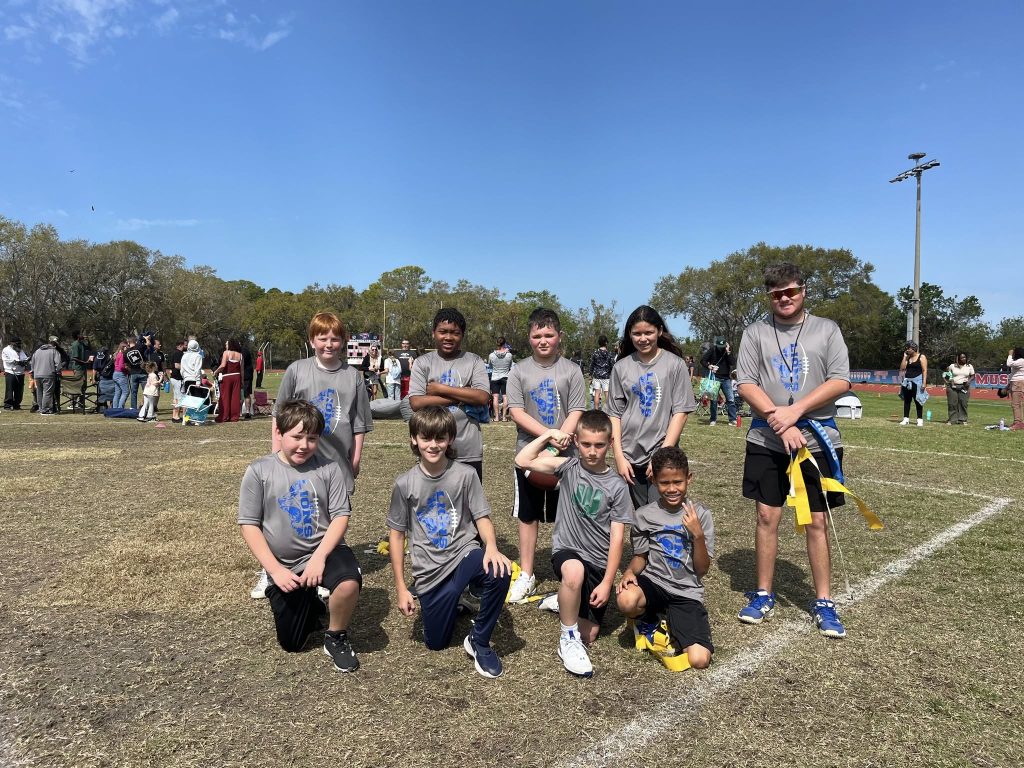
(635, 735)
(936, 491)
(935, 453)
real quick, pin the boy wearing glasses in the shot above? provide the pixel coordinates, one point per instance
(791, 368)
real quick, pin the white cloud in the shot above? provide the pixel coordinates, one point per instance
(166, 20)
(83, 27)
(133, 225)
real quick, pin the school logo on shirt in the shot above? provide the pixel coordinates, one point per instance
(587, 500)
(790, 365)
(673, 540)
(648, 393)
(328, 404)
(548, 403)
(451, 378)
(439, 519)
(302, 507)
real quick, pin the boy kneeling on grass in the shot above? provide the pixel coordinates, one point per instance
(293, 510)
(673, 543)
(594, 507)
(439, 504)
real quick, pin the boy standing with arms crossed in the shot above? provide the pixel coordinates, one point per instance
(439, 504)
(456, 380)
(791, 368)
(546, 395)
(673, 543)
(293, 510)
(593, 512)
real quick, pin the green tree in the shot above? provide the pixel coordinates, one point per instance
(949, 324)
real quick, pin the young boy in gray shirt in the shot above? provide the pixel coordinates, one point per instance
(791, 368)
(456, 380)
(439, 505)
(673, 543)
(594, 509)
(545, 393)
(293, 509)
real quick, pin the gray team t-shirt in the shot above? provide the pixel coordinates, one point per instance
(501, 364)
(588, 504)
(669, 548)
(340, 396)
(293, 505)
(645, 397)
(773, 359)
(437, 514)
(465, 370)
(547, 393)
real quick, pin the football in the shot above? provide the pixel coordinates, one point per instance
(541, 480)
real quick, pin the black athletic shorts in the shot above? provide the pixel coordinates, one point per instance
(498, 386)
(687, 619)
(533, 504)
(478, 467)
(247, 387)
(592, 577)
(765, 480)
(298, 612)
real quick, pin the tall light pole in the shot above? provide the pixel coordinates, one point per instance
(916, 172)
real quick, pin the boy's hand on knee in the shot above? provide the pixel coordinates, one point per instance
(600, 594)
(313, 575)
(285, 580)
(628, 580)
(496, 563)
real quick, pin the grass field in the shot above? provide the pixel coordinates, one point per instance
(127, 636)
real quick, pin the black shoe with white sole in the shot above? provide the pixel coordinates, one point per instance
(339, 648)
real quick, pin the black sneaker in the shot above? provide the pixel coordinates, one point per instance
(338, 647)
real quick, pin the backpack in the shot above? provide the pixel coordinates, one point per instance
(104, 363)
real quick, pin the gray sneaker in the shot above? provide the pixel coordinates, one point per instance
(339, 648)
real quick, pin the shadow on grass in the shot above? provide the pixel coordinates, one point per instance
(792, 585)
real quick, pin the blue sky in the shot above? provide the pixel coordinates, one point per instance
(586, 148)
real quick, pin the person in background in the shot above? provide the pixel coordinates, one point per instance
(958, 378)
(373, 366)
(1015, 363)
(601, 362)
(406, 358)
(393, 376)
(259, 369)
(247, 371)
(914, 382)
(46, 367)
(81, 360)
(719, 360)
(14, 359)
(501, 363)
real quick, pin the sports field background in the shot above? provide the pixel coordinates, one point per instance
(127, 636)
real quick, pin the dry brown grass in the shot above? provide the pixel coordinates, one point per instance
(127, 636)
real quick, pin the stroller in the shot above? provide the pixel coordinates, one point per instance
(197, 403)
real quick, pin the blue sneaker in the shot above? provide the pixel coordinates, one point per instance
(760, 607)
(485, 659)
(826, 619)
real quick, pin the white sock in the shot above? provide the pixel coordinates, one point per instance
(574, 629)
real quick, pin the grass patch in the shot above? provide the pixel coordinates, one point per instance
(127, 636)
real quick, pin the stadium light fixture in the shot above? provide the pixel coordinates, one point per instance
(916, 172)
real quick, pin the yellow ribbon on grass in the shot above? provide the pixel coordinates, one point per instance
(798, 493)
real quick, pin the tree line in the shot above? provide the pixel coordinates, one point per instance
(50, 286)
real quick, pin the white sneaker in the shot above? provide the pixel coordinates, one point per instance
(259, 591)
(920, 422)
(712, 423)
(904, 422)
(522, 588)
(574, 656)
(324, 594)
(549, 603)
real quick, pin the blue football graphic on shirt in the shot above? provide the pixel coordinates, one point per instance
(301, 507)
(790, 366)
(439, 519)
(672, 540)
(545, 396)
(327, 403)
(648, 393)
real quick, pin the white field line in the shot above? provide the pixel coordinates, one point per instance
(936, 453)
(933, 491)
(634, 736)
